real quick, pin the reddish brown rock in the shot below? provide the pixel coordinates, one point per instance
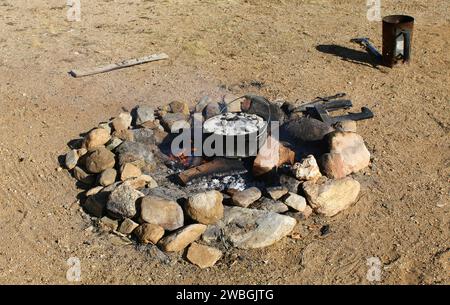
(203, 256)
(272, 154)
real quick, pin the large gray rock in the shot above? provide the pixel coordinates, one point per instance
(250, 228)
(160, 211)
(144, 114)
(122, 201)
(144, 135)
(329, 197)
(137, 153)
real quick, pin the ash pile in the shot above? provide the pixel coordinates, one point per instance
(153, 176)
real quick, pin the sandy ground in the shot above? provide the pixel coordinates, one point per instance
(296, 49)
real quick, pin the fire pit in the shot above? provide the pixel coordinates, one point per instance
(257, 170)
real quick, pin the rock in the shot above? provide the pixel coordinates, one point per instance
(205, 208)
(113, 143)
(152, 125)
(106, 126)
(122, 122)
(276, 192)
(71, 159)
(212, 109)
(149, 233)
(99, 159)
(144, 135)
(172, 122)
(95, 205)
(307, 129)
(159, 136)
(179, 107)
(200, 106)
(250, 228)
(271, 155)
(94, 191)
(270, 205)
(300, 216)
(295, 201)
(307, 169)
(108, 224)
(160, 211)
(96, 137)
(333, 165)
(143, 181)
(291, 183)
(246, 197)
(347, 125)
(182, 238)
(81, 152)
(124, 135)
(352, 149)
(136, 153)
(144, 114)
(83, 176)
(107, 177)
(203, 256)
(211, 234)
(122, 201)
(128, 171)
(127, 226)
(329, 197)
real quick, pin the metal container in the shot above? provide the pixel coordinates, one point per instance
(397, 38)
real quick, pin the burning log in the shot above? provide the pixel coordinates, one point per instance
(219, 167)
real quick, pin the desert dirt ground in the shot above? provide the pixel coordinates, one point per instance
(297, 50)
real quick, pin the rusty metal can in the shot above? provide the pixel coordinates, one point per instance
(397, 38)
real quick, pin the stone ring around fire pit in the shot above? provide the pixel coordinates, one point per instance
(224, 203)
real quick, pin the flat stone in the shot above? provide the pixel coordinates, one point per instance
(127, 226)
(249, 228)
(270, 205)
(83, 176)
(179, 107)
(99, 159)
(144, 114)
(149, 233)
(96, 137)
(128, 171)
(94, 191)
(71, 159)
(160, 211)
(296, 202)
(107, 177)
(329, 197)
(106, 126)
(182, 238)
(351, 147)
(81, 152)
(276, 192)
(122, 201)
(203, 256)
(122, 122)
(152, 125)
(205, 208)
(307, 169)
(246, 197)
